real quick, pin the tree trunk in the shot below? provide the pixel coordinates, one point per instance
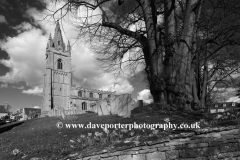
(204, 87)
(182, 76)
(170, 49)
(171, 77)
(155, 68)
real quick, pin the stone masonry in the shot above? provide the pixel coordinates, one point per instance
(59, 94)
(202, 144)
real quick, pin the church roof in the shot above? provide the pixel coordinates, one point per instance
(91, 90)
(85, 98)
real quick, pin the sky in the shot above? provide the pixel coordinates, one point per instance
(23, 40)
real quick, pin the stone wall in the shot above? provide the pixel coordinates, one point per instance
(203, 144)
(120, 105)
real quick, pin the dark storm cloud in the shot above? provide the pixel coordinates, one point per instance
(14, 12)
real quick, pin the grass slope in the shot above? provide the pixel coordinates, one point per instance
(41, 137)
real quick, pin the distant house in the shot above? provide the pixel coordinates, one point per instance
(29, 113)
(223, 107)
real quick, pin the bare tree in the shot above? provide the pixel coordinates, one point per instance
(216, 55)
(161, 35)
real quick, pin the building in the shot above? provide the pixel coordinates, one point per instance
(28, 113)
(58, 94)
(223, 107)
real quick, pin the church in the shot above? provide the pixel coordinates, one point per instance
(59, 95)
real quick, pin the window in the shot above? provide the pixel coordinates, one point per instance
(84, 106)
(216, 105)
(109, 96)
(224, 105)
(91, 95)
(60, 89)
(58, 42)
(59, 64)
(100, 95)
(233, 104)
(80, 94)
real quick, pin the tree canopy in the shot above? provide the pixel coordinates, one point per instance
(186, 47)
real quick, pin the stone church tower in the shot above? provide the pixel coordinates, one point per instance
(58, 76)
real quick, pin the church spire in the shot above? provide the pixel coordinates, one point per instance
(58, 40)
(69, 47)
(50, 37)
(50, 41)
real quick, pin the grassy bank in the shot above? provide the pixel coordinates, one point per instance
(41, 138)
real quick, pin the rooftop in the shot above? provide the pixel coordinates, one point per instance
(91, 90)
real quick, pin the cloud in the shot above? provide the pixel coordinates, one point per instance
(234, 99)
(224, 94)
(27, 58)
(123, 87)
(3, 19)
(118, 85)
(34, 91)
(89, 74)
(145, 95)
(23, 27)
(5, 85)
(26, 52)
(20, 87)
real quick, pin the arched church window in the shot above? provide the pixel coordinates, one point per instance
(59, 64)
(80, 94)
(84, 106)
(91, 95)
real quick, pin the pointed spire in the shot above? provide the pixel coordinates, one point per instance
(58, 40)
(50, 41)
(50, 37)
(57, 28)
(69, 47)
